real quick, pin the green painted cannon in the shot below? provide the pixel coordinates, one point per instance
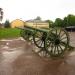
(52, 41)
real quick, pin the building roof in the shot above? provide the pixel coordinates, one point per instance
(38, 21)
(70, 27)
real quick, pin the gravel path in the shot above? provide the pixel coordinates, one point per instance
(18, 58)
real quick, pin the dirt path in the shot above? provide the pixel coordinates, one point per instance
(17, 58)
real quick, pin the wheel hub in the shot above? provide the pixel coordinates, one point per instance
(57, 41)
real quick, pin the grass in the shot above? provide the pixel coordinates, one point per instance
(9, 33)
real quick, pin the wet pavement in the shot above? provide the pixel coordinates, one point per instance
(72, 38)
(18, 58)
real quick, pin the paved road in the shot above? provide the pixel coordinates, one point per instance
(17, 58)
(72, 38)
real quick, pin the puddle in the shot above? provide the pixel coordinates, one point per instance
(5, 40)
(11, 56)
(7, 60)
(20, 38)
(5, 47)
(72, 53)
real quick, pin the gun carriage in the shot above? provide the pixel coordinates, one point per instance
(51, 41)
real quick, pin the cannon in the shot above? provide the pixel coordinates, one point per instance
(51, 41)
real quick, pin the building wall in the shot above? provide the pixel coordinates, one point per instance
(38, 25)
(17, 23)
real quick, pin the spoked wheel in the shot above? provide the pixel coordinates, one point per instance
(57, 42)
(39, 39)
(26, 34)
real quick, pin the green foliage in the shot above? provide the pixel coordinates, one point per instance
(9, 33)
(67, 21)
(71, 20)
(7, 24)
(58, 22)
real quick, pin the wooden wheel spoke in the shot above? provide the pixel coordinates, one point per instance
(62, 34)
(61, 48)
(39, 42)
(59, 32)
(55, 49)
(42, 42)
(64, 38)
(51, 48)
(63, 43)
(49, 42)
(58, 49)
(49, 45)
(38, 39)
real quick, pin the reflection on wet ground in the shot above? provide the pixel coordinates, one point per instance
(18, 58)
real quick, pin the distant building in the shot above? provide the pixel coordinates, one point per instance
(70, 28)
(37, 23)
(17, 23)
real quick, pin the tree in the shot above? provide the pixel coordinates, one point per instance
(65, 22)
(38, 18)
(7, 24)
(69, 20)
(1, 14)
(58, 22)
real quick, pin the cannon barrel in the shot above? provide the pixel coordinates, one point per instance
(34, 29)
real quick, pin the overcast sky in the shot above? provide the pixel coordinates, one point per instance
(30, 9)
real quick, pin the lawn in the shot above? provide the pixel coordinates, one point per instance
(9, 33)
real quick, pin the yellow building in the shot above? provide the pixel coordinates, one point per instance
(17, 23)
